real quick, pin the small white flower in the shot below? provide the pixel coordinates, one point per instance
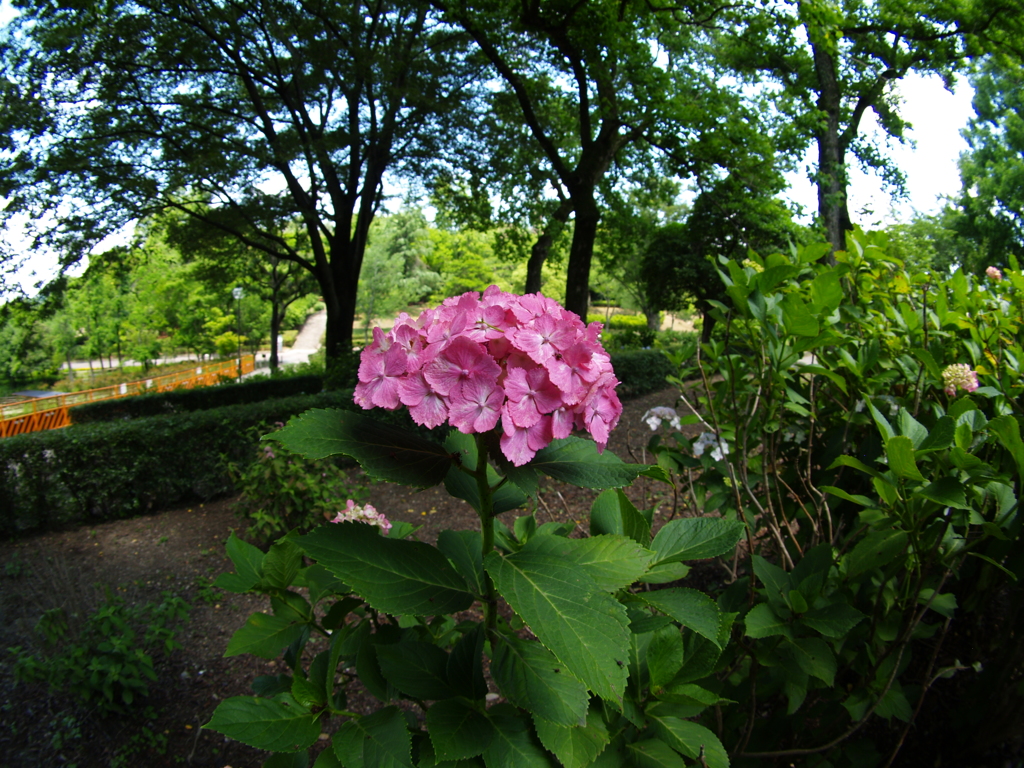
(655, 416)
(719, 448)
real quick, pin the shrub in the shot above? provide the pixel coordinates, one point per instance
(283, 491)
(619, 322)
(199, 399)
(641, 371)
(107, 662)
(116, 469)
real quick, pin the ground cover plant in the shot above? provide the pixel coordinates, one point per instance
(856, 475)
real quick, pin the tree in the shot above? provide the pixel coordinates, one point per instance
(830, 63)
(244, 116)
(992, 170)
(589, 80)
(736, 215)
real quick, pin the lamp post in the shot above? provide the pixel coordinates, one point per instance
(238, 293)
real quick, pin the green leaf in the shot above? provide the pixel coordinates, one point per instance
(576, 461)
(465, 664)
(875, 550)
(664, 656)
(696, 538)
(281, 564)
(691, 739)
(911, 427)
(264, 635)
(761, 621)
(415, 668)
(940, 436)
(530, 677)
(884, 427)
(462, 485)
(327, 759)
(248, 562)
(814, 657)
(576, 746)
(947, 491)
(280, 724)
(613, 562)
(850, 461)
(834, 620)
(1007, 431)
(654, 753)
(691, 608)
(864, 501)
(386, 739)
(393, 576)
(514, 744)
(384, 452)
(665, 573)
(944, 604)
(900, 452)
(613, 512)
(777, 583)
(826, 292)
(465, 550)
(818, 370)
(585, 627)
(458, 731)
(797, 317)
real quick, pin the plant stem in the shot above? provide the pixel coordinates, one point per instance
(486, 531)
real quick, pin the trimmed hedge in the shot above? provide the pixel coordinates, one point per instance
(200, 399)
(109, 470)
(619, 321)
(641, 371)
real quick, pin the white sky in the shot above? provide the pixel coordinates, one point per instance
(929, 161)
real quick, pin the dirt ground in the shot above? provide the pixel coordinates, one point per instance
(181, 551)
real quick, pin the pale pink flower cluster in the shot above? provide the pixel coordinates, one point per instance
(994, 273)
(363, 514)
(477, 360)
(959, 376)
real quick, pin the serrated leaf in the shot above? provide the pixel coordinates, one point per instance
(814, 657)
(691, 739)
(458, 731)
(864, 501)
(465, 550)
(665, 573)
(834, 620)
(612, 561)
(387, 742)
(911, 427)
(264, 635)
(940, 436)
(248, 562)
(276, 725)
(654, 753)
(576, 461)
(762, 621)
(514, 744)
(465, 665)
(576, 746)
(613, 512)
(947, 491)
(281, 564)
(899, 450)
(585, 627)
(384, 452)
(696, 538)
(694, 610)
(393, 576)
(415, 668)
(875, 550)
(530, 677)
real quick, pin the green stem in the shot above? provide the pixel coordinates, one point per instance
(487, 531)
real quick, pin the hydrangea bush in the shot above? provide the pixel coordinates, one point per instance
(850, 520)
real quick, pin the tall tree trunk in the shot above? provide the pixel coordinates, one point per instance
(831, 178)
(577, 278)
(275, 329)
(542, 248)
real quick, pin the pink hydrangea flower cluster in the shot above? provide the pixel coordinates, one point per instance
(994, 273)
(959, 376)
(477, 360)
(368, 514)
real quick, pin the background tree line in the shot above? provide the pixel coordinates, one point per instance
(266, 136)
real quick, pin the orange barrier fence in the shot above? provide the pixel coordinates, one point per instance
(52, 412)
